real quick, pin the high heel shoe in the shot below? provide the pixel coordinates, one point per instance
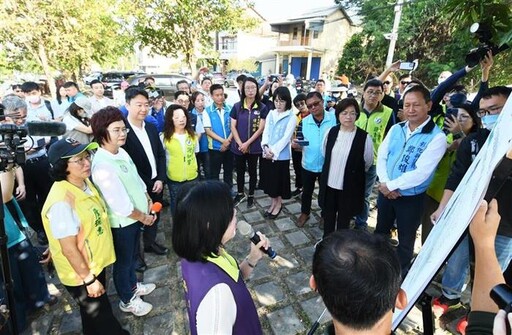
(273, 216)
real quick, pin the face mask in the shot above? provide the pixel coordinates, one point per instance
(490, 120)
(33, 99)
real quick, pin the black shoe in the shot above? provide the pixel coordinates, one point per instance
(273, 216)
(250, 201)
(238, 199)
(156, 249)
(296, 192)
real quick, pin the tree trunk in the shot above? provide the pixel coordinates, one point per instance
(43, 58)
(192, 64)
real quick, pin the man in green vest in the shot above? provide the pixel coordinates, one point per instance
(375, 119)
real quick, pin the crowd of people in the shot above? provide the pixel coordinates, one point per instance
(89, 195)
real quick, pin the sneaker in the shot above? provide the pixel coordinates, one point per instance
(238, 199)
(144, 289)
(296, 192)
(393, 239)
(443, 305)
(462, 324)
(250, 201)
(136, 306)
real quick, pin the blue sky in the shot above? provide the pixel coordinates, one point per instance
(276, 9)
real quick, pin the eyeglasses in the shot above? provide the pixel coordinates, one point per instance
(403, 82)
(279, 101)
(347, 113)
(314, 104)
(182, 101)
(300, 104)
(81, 161)
(386, 82)
(463, 117)
(375, 93)
(492, 110)
(118, 131)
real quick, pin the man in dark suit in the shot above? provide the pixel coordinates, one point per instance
(145, 148)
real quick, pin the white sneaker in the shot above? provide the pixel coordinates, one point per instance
(136, 306)
(144, 289)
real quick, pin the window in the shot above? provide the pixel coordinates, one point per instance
(315, 34)
(295, 33)
(228, 43)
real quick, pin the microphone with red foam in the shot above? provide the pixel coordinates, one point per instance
(156, 208)
(246, 230)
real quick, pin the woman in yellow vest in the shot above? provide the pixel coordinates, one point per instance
(180, 143)
(76, 223)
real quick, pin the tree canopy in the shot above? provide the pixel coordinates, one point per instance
(184, 27)
(429, 31)
(64, 35)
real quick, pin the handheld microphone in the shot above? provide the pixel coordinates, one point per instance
(246, 230)
(40, 128)
(156, 208)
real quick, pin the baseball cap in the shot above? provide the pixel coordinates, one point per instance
(68, 147)
(84, 103)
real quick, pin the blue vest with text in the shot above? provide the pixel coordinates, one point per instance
(217, 128)
(403, 154)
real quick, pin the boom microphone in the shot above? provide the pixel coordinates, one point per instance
(246, 230)
(40, 128)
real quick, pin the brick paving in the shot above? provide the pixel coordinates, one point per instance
(280, 288)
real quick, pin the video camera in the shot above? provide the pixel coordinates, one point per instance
(12, 138)
(484, 35)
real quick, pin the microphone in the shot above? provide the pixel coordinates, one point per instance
(156, 208)
(40, 128)
(246, 230)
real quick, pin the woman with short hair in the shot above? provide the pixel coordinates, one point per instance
(128, 204)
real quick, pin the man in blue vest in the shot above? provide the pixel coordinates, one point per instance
(406, 162)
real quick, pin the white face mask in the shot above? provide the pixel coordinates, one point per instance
(33, 99)
(489, 121)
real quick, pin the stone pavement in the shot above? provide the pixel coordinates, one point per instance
(280, 287)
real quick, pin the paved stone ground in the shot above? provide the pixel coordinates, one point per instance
(280, 288)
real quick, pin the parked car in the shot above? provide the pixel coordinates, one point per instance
(230, 80)
(165, 82)
(92, 76)
(112, 80)
(218, 78)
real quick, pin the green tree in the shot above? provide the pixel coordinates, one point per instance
(64, 35)
(439, 41)
(185, 28)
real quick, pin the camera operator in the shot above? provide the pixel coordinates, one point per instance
(36, 168)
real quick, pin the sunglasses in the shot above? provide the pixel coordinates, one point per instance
(386, 83)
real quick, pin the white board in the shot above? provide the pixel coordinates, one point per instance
(458, 213)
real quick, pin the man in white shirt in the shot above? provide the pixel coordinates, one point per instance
(98, 100)
(38, 109)
(406, 162)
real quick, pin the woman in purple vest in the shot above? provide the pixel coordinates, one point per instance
(204, 221)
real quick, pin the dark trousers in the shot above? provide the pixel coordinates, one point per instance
(297, 167)
(308, 183)
(37, 185)
(96, 313)
(251, 160)
(203, 165)
(222, 159)
(407, 211)
(149, 233)
(126, 244)
(30, 289)
(335, 211)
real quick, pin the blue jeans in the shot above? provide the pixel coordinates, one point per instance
(174, 187)
(371, 177)
(126, 246)
(457, 267)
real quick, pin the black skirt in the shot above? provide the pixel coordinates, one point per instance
(276, 178)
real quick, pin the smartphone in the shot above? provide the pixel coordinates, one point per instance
(302, 143)
(409, 66)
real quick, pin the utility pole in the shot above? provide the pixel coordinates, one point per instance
(394, 33)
